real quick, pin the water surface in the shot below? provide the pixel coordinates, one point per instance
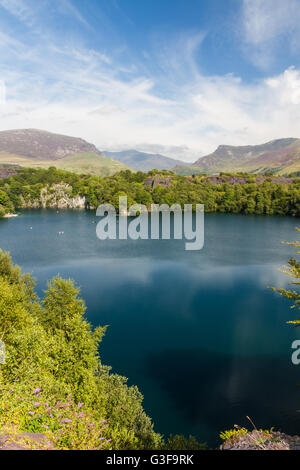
(198, 332)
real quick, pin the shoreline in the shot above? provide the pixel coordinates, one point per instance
(10, 216)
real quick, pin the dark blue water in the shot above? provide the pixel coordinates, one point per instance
(198, 332)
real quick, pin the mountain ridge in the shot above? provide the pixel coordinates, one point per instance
(278, 156)
(143, 161)
(43, 145)
(41, 149)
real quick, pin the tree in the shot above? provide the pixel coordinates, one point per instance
(293, 271)
(5, 203)
(179, 442)
(74, 343)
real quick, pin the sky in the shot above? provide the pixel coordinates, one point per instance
(179, 77)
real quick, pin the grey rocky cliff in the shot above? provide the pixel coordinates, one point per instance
(262, 440)
(57, 196)
(154, 181)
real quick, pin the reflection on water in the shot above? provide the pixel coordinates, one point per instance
(215, 391)
(198, 332)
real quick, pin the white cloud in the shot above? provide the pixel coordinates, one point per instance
(2, 93)
(112, 113)
(165, 103)
(270, 27)
(287, 87)
(67, 7)
(20, 9)
(27, 11)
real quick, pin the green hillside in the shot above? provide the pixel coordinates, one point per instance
(281, 157)
(36, 148)
(89, 163)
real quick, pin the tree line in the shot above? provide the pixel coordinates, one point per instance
(269, 197)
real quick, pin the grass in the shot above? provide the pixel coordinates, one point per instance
(89, 163)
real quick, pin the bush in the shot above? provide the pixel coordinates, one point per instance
(53, 380)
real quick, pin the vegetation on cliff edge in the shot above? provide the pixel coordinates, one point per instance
(53, 380)
(268, 197)
(293, 271)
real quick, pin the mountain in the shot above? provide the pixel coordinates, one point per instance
(281, 156)
(141, 161)
(34, 143)
(90, 163)
(40, 149)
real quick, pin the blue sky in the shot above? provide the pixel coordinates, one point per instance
(175, 76)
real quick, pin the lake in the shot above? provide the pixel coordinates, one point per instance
(198, 332)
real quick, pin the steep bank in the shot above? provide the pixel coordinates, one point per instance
(53, 381)
(56, 196)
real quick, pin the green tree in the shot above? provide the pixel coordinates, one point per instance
(179, 442)
(293, 271)
(74, 345)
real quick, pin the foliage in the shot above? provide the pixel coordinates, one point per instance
(53, 380)
(267, 431)
(67, 424)
(179, 442)
(232, 433)
(240, 431)
(293, 271)
(268, 197)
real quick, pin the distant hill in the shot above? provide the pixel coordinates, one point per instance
(37, 148)
(40, 149)
(42, 145)
(89, 163)
(280, 156)
(141, 161)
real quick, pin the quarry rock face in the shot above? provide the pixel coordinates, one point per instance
(155, 181)
(57, 196)
(7, 172)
